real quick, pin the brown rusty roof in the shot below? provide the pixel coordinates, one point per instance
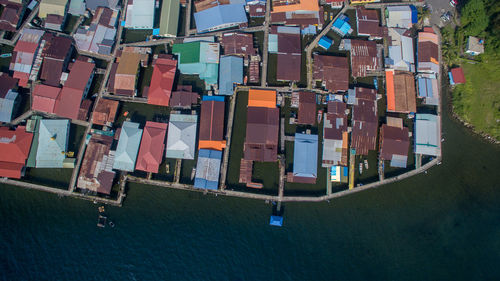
(334, 71)
(261, 143)
(289, 66)
(212, 120)
(368, 22)
(365, 58)
(238, 43)
(394, 141)
(307, 108)
(105, 111)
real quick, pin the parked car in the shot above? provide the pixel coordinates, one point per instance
(446, 16)
(453, 3)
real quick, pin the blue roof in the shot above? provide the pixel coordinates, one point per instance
(425, 87)
(305, 156)
(325, 42)
(342, 26)
(276, 221)
(213, 98)
(208, 169)
(128, 147)
(7, 105)
(230, 72)
(414, 14)
(219, 17)
(52, 142)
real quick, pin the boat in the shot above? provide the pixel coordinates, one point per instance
(101, 209)
(101, 221)
(366, 163)
(193, 173)
(320, 115)
(167, 169)
(112, 224)
(360, 168)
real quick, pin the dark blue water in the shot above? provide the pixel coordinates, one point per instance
(444, 225)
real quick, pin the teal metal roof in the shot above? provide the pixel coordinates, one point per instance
(52, 143)
(128, 147)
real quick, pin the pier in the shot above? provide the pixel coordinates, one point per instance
(230, 123)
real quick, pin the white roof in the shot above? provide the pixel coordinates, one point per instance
(181, 139)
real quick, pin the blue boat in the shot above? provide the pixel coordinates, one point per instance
(276, 221)
(375, 82)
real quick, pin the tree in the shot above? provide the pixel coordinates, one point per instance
(474, 18)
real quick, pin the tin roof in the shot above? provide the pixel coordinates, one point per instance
(427, 141)
(365, 57)
(238, 43)
(162, 81)
(212, 125)
(96, 172)
(292, 6)
(105, 111)
(181, 139)
(128, 147)
(140, 14)
(368, 23)
(261, 142)
(334, 71)
(400, 91)
(169, 19)
(15, 145)
(458, 75)
(44, 98)
(305, 156)
(52, 142)
(208, 169)
(220, 17)
(230, 72)
(394, 142)
(152, 146)
(307, 108)
(262, 98)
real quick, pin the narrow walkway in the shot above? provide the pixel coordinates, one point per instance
(265, 54)
(230, 123)
(352, 170)
(177, 173)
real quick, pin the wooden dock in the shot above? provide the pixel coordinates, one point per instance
(230, 123)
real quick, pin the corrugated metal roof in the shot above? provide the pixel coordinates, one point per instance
(169, 19)
(305, 156)
(399, 16)
(162, 81)
(426, 134)
(230, 72)
(208, 169)
(52, 143)
(221, 16)
(15, 144)
(181, 139)
(152, 146)
(140, 14)
(187, 52)
(128, 147)
(7, 106)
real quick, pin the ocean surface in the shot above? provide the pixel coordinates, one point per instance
(443, 225)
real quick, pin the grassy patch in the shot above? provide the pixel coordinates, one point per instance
(186, 170)
(4, 62)
(256, 21)
(136, 35)
(70, 24)
(140, 112)
(272, 70)
(75, 137)
(193, 80)
(144, 79)
(267, 173)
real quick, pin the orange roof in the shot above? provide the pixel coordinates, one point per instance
(215, 145)
(304, 5)
(391, 99)
(262, 98)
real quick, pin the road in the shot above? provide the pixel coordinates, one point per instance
(439, 7)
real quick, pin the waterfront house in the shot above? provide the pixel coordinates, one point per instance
(325, 42)
(401, 16)
(305, 14)
(14, 147)
(128, 147)
(394, 145)
(366, 57)
(332, 71)
(181, 139)
(140, 14)
(99, 36)
(169, 18)
(76, 7)
(199, 57)
(162, 80)
(305, 159)
(335, 135)
(24, 54)
(12, 14)
(364, 119)
(400, 91)
(428, 51)
(184, 97)
(307, 108)
(368, 24)
(341, 25)
(56, 54)
(456, 76)
(475, 46)
(401, 55)
(105, 112)
(428, 89)
(96, 172)
(53, 136)
(335, 4)
(238, 43)
(230, 73)
(152, 146)
(9, 98)
(212, 123)
(208, 169)
(93, 5)
(53, 12)
(285, 42)
(220, 17)
(123, 75)
(427, 130)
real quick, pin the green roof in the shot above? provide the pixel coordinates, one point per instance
(169, 19)
(187, 52)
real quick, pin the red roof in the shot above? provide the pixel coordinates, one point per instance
(14, 150)
(162, 81)
(307, 108)
(80, 73)
(10, 170)
(26, 47)
(44, 98)
(458, 75)
(212, 125)
(152, 146)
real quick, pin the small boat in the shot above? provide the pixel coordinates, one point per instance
(167, 169)
(366, 164)
(320, 115)
(112, 224)
(360, 168)
(101, 221)
(101, 209)
(193, 173)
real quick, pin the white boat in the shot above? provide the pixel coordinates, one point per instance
(366, 164)
(360, 168)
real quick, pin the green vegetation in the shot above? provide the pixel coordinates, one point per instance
(70, 24)
(136, 35)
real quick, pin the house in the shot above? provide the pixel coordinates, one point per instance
(99, 36)
(105, 112)
(9, 98)
(401, 16)
(335, 4)
(181, 139)
(427, 130)
(428, 51)
(363, 1)
(184, 97)
(366, 57)
(208, 169)
(428, 89)
(199, 57)
(332, 71)
(220, 17)
(169, 18)
(94, 5)
(162, 80)
(24, 54)
(456, 76)
(230, 73)
(76, 7)
(152, 146)
(84, 109)
(140, 14)
(335, 135)
(14, 147)
(45, 98)
(53, 12)
(341, 25)
(401, 55)
(238, 44)
(400, 91)
(307, 108)
(254, 69)
(53, 136)
(75, 89)
(368, 24)
(261, 141)
(123, 74)
(56, 53)
(305, 14)
(394, 145)
(128, 147)
(257, 10)
(12, 14)
(96, 172)
(325, 42)
(212, 123)
(305, 158)
(364, 119)
(475, 46)
(285, 42)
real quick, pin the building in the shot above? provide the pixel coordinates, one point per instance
(335, 4)
(230, 73)
(93, 5)
(105, 112)
(428, 89)
(401, 55)
(400, 91)
(341, 25)
(56, 54)
(305, 158)
(261, 141)
(184, 97)
(394, 145)
(45, 98)
(257, 10)
(456, 76)
(285, 42)
(428, 51)
(335, 135)
(307, 108)
(427, 130)
(53, 136)
(366, 57)
(53, 12)
(368, 24)
(12, 15)
(75, 89)
(123, 74)
(363, 1)
(140, 14)
(181, 139)
(162, 81)
(96, 172)
(128, 147)
(254, 69)
(24, 54)
(99, 36)
(475, 46)
(364, 120)
(9, 98)
(220, 17)
(305, 14)
(212, 123)
(76, 7)
(15, 148)
(152, 146)
(238, 44)
(169, 18)
(325, 42)
(201, 58)
(332, 71)
(208, 169)
(401, 16)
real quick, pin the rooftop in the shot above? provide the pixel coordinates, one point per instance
(128, 147)
(332, 71)
(394, 145)
(212, 125)
(230, 72)
(400, 90)
(208, 169)
(152, 146)
(181, 139)
(162, 81)
(261, 142)
(105, 111)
